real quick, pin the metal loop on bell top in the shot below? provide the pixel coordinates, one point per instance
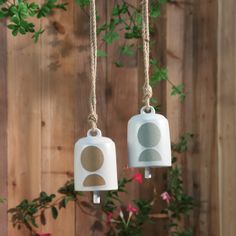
(94, 132)
(144, 110)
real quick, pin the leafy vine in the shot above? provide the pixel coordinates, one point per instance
(21, 12)
(119, 218)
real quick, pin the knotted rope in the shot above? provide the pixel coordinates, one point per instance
(93, 117)
(147, 89)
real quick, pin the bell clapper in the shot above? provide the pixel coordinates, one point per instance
(147, 173)
(96, 197)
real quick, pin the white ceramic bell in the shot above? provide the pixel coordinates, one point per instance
(95, 164)
(149, 141)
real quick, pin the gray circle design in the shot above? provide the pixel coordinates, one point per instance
(150, 155)
(92, 158)
(149, 135)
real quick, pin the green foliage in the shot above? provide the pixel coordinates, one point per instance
(26, 212)
(101, 53)
(179, 90)
(20, 14)
(111, 36)
(182, 145)
(185, 232)
(158, 73)
(2, 200)
(155, 9)
(134, 227)
(180, 204)
(127, 50)
(112, 197)
(83, 3)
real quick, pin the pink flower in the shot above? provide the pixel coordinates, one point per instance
(109, 217)
(132, 209)
(138, 177)
(166, 197)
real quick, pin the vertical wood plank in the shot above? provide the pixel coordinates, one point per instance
(204, 156)
(188, 112)
(175, 51)
(227, 115)
(3, 128)
(24, 121)
(58, 74)
(122, 94)
(175, 17)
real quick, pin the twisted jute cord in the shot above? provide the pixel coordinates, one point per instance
(147, 89)
(93, 117)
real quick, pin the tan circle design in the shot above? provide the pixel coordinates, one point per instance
(149, 135)
(93, 180)
(150, 155)
(92, 158)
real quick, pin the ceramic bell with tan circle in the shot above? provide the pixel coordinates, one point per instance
(149, 141)
(95, 164)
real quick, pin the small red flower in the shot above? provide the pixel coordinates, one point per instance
(138, 177)
(166, 197)
(132, 209)
(109, 217)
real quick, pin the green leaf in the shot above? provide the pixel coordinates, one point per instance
(178, 90)
(110, 37)
(119, 64)
(2, 1)
(37, 34)
(43, 218)
(12, 27)
(82, 3)
(158, 75)
(118, 10)
(127, 50)
(101, 53)
(15, 32)
(15, 19)
(3, 14)
(54, 212)
(2, 200)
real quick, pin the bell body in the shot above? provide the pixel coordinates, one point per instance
(95, 163)
(149, 140)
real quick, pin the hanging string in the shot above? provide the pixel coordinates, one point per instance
(93, 117)
(147, 89)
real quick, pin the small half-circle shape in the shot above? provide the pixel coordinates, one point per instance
(93, 180)
(150, 155)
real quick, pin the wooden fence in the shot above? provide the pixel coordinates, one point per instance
(43, 109)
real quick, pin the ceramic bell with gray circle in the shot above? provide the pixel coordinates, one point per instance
(149, 141)
(95, 164)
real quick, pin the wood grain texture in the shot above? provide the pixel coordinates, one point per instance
(204, 153)
(227, 115)
(58, 76)
(122, 96)
(24, 121)
(3, 127)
